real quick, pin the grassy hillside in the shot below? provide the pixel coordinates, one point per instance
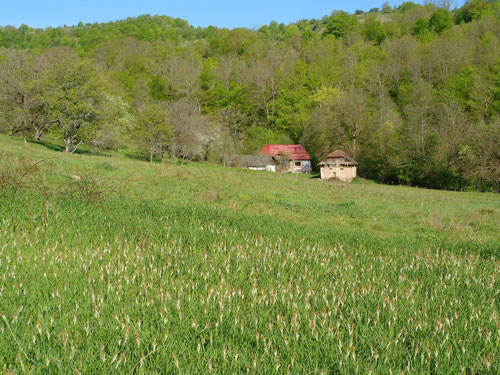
(411, 91)
(110, 264)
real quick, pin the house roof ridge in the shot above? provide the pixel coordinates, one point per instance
(292, 151)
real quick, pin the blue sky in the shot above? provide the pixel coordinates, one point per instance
(222, 13)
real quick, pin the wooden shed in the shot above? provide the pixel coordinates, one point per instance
(338, 165)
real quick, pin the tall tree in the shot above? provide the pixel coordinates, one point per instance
(24, 97)
(193, 133)
(419, 113)
(152, 131)
(440, 20)
(76, 100)
(338, 122)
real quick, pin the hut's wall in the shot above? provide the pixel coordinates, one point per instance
(345, 174)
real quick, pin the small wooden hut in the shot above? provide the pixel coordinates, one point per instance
(338, 165)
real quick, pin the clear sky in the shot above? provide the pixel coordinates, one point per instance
(222, 13)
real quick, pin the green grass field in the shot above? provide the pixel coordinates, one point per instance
(113, 265)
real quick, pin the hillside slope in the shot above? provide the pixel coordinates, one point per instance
(412, 92)
(111, 264)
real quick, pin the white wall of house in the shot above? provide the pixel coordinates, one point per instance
(269, 168)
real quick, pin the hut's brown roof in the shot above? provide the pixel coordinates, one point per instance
(339, 154)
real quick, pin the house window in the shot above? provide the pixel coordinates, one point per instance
(298, 163)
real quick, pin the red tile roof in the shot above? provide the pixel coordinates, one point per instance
(291, 152)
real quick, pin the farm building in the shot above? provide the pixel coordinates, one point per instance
(289, 158)
(338, 165)
(255, 162)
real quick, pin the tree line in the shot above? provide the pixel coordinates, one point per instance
(412, 92)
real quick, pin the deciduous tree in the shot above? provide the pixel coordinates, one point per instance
(152, 132)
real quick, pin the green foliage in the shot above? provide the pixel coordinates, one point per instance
(440, 21)
(218, 83)
(386, 7)
(291, 30)
(461, 85)
(472, 10)
(495, 72)
(116, 123)
(338, 123)
(374, 31)
(76, 101)
(340, 24)
(294, 103)
(309, 35)
(421, 28)
(151, 131)
(145, 27)
(406, 6)
(275, 31)
(257, 137)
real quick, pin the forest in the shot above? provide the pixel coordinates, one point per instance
(412, 92)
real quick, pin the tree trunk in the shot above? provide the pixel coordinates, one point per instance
(265, 106)
(354, 146)
(74, 149)
(67, 143)
(422, 141)
(38, 134)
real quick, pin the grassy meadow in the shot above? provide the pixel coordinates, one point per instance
(115, 265)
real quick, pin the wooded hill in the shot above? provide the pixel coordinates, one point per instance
(411, 92)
